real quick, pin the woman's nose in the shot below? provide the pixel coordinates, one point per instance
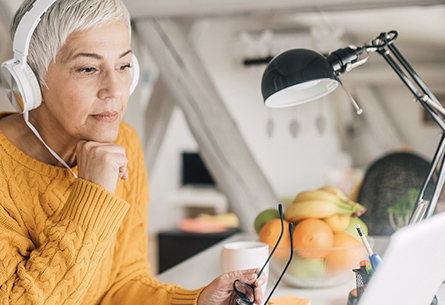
(112, 85)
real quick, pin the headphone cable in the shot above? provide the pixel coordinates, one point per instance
(55, 155)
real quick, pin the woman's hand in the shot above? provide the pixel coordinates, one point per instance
(220, 290)
(102, 163)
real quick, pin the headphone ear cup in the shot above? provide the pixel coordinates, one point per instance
(21, 85)
(134, 71)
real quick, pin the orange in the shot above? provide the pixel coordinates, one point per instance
(313, 234)
(349, 254)
(269, 234)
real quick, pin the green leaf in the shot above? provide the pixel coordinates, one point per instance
(405, 206)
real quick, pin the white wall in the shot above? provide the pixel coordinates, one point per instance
(291, 164)
(5, 54)
(408, 115)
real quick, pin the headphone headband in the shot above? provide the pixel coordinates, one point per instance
(26, 28)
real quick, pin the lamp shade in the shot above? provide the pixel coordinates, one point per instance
(296, 77)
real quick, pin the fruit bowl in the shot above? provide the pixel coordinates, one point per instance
(318, 268)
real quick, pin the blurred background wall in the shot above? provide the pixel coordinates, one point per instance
(307, 146)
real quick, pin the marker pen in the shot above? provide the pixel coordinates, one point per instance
(374, 258)
(363, 264)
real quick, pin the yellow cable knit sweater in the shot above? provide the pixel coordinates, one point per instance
(69, 241)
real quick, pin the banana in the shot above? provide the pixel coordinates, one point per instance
(322, 203)
(314, 195)
(333, 190)
(318, 209)
(338, 222)
(337, 192)
(321, 195)
(309, 209)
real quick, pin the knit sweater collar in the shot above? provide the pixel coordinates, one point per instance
(31, 163)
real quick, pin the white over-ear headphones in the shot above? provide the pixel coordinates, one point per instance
(20, 82)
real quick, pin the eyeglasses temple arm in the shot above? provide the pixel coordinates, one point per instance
(280, 209)
(287, 265)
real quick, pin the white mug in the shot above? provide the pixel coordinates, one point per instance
(240, 255)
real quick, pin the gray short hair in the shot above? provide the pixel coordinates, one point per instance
(63, 18)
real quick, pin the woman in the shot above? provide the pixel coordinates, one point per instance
(69, 240)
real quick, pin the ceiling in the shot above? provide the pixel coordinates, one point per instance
(420, 23)
(216, 8)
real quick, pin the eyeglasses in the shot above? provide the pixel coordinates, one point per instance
(246, 292)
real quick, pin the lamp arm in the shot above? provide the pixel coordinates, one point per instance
(437, 190)
(412, 73)
(386, 55)
(424, 97)
(384, 46)
(428, 95)
(344, 60)
(437, 163)
(438, 160)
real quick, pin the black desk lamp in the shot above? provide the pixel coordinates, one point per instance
(298, 76)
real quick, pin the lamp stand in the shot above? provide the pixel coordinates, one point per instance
(299, 76)
(384, 45)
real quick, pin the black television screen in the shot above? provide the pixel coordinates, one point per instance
(194, 171)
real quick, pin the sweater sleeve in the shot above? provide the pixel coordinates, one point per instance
(135, 284)
(144, 289)
(60, 270)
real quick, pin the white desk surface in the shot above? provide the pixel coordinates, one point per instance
(201, 269)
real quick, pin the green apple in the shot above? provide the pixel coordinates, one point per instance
(353, 221)
(264, 217)
(307, 268)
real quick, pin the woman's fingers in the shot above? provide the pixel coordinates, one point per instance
(102, 163)
(220, 291)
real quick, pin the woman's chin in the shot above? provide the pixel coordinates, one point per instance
(108, 136)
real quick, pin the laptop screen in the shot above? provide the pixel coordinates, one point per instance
(413, 267)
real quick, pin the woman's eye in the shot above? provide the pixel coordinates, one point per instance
(88, 70)
(126, 66)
